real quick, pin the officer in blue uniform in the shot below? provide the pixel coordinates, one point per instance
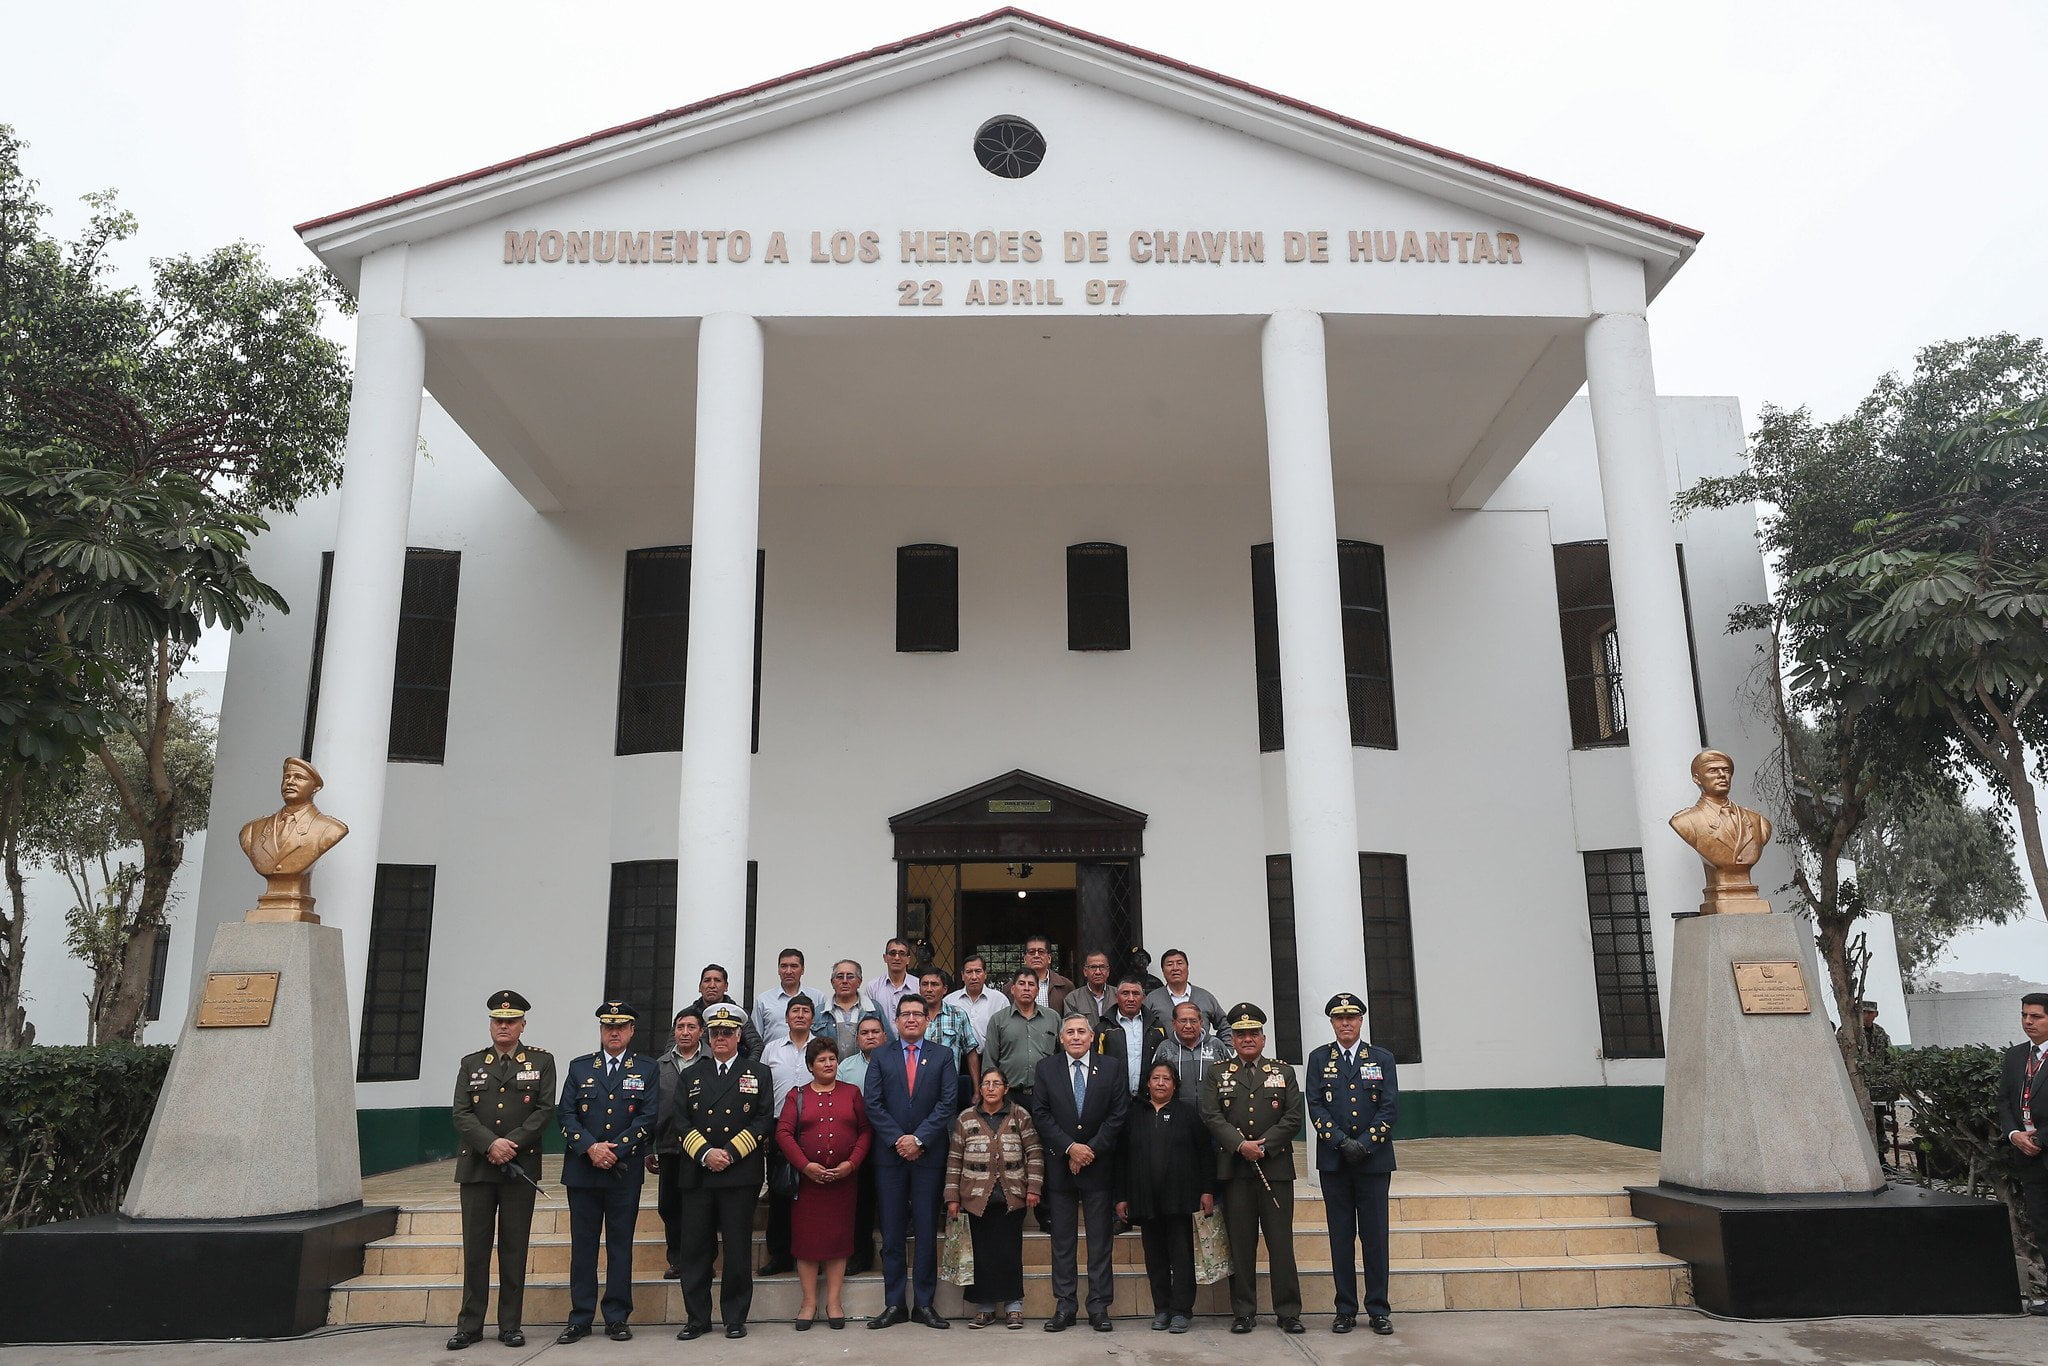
(610, 1099)
(1353, 1098)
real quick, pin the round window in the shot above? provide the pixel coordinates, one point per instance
(1009, 147)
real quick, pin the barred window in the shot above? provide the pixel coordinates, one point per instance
(395, 985)
(1394, 1020)
(654, 649)
(1368, 645)
(1624, 965)
(426, 657)
(159, 968)
(640, 944)
(1396, 1023)
(319, 655)
(1098, 597)
(1592, 645)
(927, 599)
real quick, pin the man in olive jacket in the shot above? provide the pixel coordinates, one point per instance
(1250, 1105)
(504, 1097)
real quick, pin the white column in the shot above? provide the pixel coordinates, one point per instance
(1635, 488)
(718, 703)
(361, 649)
(1322, 808)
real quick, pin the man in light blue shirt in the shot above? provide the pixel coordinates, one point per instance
(771, 1008)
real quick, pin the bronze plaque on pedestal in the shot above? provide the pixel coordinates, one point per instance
(1772, 989)
(238, 1000)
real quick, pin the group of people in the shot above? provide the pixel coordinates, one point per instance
(903, 1101)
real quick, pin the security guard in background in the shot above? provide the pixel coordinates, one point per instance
(1250, 1106)
(1353, 1099)
(504, 1098)
(609, 1102)
(722, 1116)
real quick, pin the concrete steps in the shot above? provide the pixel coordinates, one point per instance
(1481, 1250)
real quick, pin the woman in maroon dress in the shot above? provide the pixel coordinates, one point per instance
(824, 1133)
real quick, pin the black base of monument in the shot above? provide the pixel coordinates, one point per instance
(1901, 1250)
(114, 1279)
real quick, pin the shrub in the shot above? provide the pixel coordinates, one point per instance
(72, 1121)
(1954, 1093)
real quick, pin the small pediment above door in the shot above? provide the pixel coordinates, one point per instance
(1019, 815)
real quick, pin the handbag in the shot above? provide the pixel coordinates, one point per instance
(956, 1253)
(1212, 1248)
(784, 1181)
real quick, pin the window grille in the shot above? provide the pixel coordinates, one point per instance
(927, 599)
(1368, 646)
(1624, 965)
(640, 946)
(1285, 1015)
(1098, 597)
(426, 657)
(1592, 645)
(654, 649)
(1393, 1022)
(159, 968)
(395, 985)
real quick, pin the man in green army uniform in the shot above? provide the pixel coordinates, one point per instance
(1251, 1107)
(504, 1096)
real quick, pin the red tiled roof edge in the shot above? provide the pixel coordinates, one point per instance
(1012, 12)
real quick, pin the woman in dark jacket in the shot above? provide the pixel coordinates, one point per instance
(1168, 1171)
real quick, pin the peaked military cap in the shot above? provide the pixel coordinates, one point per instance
(508, 1005)
(1344, 1003)
(724, 1015)
(616, 1013)
(1246, 1016)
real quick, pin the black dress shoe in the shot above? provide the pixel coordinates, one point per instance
(511, 1337)
(776, 1266)
(692, 1331)
(1060, 1322)
(672, 1272)
(574, 1332)
(1381, 1324)
(890, 1317)
(618, 1332)
(735, 1330)
(1344, 1323)
(1160, 1320)
(1292, 1326)
(1241, 1324)
(930, 1317)
(1099, 1321)
(462, 1338)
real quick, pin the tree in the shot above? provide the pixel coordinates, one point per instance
(84, 832)
(1845, 739)
(180, 414)
(1936, 865)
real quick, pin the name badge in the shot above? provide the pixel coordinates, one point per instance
(633, 1083)
(749, 1083)
(1371, 1072)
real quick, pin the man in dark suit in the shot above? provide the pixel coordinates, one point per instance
(2023, 1115)
(504, 1098)
(723, 1110)
(910, 1090)
(1353, 1100)
(609, 1102)
(1249, 1106)
(1079, 1099)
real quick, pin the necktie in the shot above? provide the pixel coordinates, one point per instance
(910, 1070)
(1080, 1085)
(611, 1068)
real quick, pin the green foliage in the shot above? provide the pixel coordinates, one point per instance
(1935, 864)
(1954, 1094)
(72, 1127)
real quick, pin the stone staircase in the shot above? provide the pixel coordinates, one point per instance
(1576, 1246)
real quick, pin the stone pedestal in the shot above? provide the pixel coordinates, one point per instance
(1757, 1104)
(259, 1121)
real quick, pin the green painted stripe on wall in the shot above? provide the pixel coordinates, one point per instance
(1619, 1114)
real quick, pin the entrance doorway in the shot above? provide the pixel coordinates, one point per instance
(981, 870)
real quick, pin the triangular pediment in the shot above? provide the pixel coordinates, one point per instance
(1019, 815)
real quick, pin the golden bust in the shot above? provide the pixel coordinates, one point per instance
(1729, 838)
(285, 846)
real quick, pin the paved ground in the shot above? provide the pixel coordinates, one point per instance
(1595, 1337)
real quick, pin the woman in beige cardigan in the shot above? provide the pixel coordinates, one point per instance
(995, 1168)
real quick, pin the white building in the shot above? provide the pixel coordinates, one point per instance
(1047, 424)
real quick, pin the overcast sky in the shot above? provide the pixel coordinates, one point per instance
(1868, 176)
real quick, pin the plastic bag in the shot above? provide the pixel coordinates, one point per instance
(1212, 1248)
(956, 1253)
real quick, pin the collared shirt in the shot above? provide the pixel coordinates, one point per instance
(1015, 1045)
(771, 1014)
(853, 1068)
(1134, 1043)
(978, 1011)
(883, 995)
(842, 1024)
(785, 1061)
(952, 1029)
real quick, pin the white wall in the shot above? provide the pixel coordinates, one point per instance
(1950, 1019)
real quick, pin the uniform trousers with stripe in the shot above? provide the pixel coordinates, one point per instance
(1357, 1205)
(613, 1208)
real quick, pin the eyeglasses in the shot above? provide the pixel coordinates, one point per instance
(897, 953)
(845, 976)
